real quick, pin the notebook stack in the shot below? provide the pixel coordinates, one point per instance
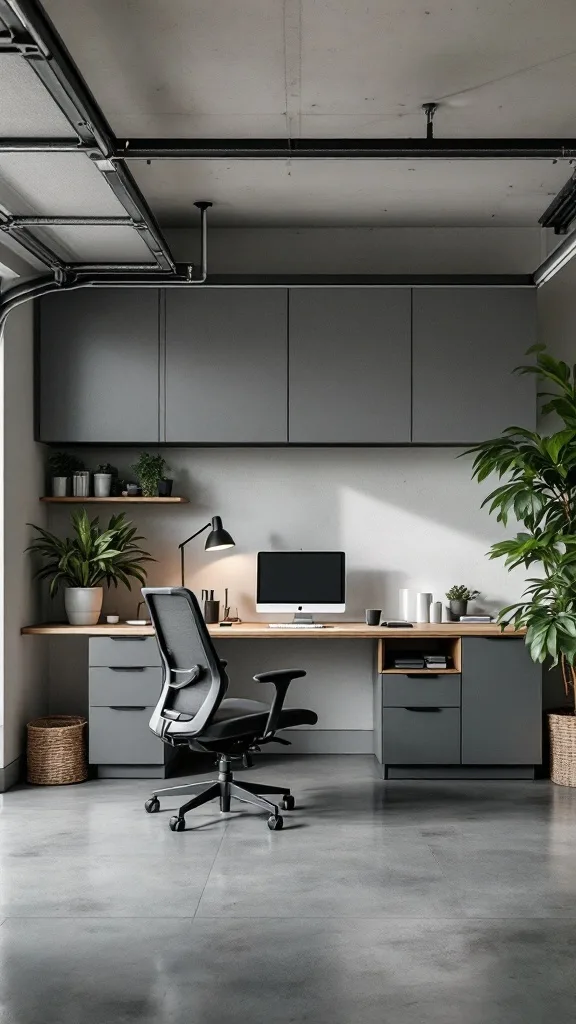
(436, 661)
(408, 661)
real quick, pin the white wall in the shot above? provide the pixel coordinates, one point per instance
(23, 663)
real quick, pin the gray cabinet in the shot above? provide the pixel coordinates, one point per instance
(349, 365)
(466, 343)
(99, 366)
(501, 703)
(125, 679)
(226, 366)
(421, 735)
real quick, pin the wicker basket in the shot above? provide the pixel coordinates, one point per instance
(57, 750)
(562, 749)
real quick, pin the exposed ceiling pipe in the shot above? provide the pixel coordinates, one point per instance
(557, 259)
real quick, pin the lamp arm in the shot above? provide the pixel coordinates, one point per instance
(183, 545)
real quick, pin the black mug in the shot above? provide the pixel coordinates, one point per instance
(211, 612)
(373, 616)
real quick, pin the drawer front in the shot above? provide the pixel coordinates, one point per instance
(119, 651)
(400, 691)
(421, 736)
(128, 685)
(123, 737)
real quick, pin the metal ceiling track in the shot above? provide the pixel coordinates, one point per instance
(30, 34)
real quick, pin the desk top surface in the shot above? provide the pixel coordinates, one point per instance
(262, 631)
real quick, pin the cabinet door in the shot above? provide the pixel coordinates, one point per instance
(349, 365)
(98, 366)
(226, 366)
(501, 702)
(466, 343)
(421, 735)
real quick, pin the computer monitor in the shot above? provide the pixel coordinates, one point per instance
(303, 582)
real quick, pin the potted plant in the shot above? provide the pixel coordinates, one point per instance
(61, 466)
(458, 596)
(103, 478)
(84, 562)
(149, 471)
(540, 491)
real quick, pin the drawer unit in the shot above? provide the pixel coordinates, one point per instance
(131, 685)
(421, 735)
(401, 691)
(120, 735)
(120, 651)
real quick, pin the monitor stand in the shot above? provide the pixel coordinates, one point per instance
(303, 619)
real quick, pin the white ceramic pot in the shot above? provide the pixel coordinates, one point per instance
(102, 485)
(83, 605)
(60, 486)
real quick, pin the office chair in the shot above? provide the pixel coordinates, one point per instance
(192, 709)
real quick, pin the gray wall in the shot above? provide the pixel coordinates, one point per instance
(23, 664)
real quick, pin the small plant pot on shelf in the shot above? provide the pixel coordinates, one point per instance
(165, 488)
(83, 605)
(60, 486)
(458, 608)
(562, 728)
(102, 485)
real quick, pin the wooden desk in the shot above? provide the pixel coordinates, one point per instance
(261, 631)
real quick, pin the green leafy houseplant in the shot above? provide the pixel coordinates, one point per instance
(93, 556)
(149, 470)
(539, 489)
(64, 464)
(461, 593)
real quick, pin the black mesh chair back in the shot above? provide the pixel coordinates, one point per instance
(195, 679)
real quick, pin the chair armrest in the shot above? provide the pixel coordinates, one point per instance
(281, 679)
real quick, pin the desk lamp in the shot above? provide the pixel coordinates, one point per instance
(217, 540)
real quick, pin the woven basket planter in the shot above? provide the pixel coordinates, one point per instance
(562, 749)
(56, 752)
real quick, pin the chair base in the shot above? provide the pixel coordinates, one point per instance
(223, 788)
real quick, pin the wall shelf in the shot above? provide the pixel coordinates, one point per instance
(114, 501)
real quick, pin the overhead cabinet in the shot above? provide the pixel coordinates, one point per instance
(466, 343)
(98, 356)
(349, 365)
(226, 366)
(276, 366)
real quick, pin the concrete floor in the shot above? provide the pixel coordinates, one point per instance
(396, 903)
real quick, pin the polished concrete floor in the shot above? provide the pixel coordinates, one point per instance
(379, 903)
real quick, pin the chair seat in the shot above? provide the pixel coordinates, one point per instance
(237, 717)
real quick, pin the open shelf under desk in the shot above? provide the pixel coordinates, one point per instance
(438, 643)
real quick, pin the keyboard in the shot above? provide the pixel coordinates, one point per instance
(296, 625)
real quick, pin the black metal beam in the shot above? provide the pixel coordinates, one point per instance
(44, 146)
(32, 245)
(71, 222)
(50, 60)
(562, 210)
(346, 149)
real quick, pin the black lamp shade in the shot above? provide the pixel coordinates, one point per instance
(218, 539)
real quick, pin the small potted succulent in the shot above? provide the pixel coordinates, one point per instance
(103, 479)
(459, 596)
(149, 470)
(91, 557)
(61, 467)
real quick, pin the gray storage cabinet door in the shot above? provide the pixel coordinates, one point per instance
(226, 366)
(420, 736)
(349, 365)
(466, 343)
(98, 366)
(501, 702)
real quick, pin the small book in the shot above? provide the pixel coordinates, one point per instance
(476, 618)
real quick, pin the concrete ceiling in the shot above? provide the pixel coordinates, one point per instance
(301, 68)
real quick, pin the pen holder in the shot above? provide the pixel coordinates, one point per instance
(211, 612)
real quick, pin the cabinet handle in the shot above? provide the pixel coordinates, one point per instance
(128, 639)
(126, 668)
(423, 709)
(422, 675)
(127, 707)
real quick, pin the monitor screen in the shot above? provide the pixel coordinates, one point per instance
(301, 577)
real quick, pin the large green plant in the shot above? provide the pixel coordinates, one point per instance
(93, 556)
(539, 489)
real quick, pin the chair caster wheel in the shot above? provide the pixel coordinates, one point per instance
(177, 824)
(288, 802)
(152, 805)
(275, 822)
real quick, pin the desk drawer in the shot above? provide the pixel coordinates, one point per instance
(119, 651)
(400, 691)
(421, 735)
(128, 685)
(122, 736)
